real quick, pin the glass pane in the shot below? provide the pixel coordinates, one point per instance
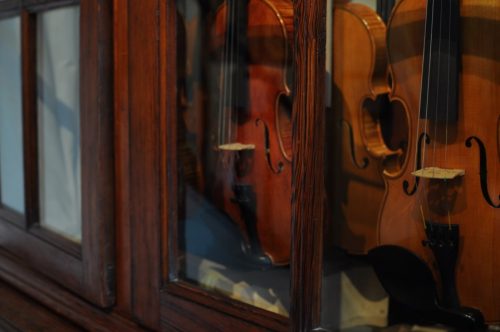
(353, 298)
(11, 142)
(59, 120)
(234, 147)
(411, 231)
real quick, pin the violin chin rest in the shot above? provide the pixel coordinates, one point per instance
(410, 282)
(405, 277)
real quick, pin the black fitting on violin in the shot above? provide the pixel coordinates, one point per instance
(245, 197)
(443, 240)
(409, 282)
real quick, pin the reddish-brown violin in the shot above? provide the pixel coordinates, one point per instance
(252, 143)
(444, 205)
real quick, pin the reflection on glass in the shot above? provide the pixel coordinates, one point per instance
(59, 121)
(234, 70)
(11, 142)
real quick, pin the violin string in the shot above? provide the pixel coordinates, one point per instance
(448, 106)
(230, 104)
(438, 80)
(223, 77)
(220, 92)
(448, 86)
(424, 149)
(237, 65)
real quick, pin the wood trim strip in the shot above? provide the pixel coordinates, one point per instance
(122, 157)
(144, 162)
(308, 139)
(220, 304)
(58, 299)
(65, 244)
(188, 316)
(43, 256)
(97, 150)
(170, 225)
(30, 127)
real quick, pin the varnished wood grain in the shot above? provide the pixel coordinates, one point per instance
(238, 313)
(308, 138)
(19, 312)
(122, 189)
(59, 299)
(97, 149)
(144, 161)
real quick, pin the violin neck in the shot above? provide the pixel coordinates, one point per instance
(440, 74)
(234, 96)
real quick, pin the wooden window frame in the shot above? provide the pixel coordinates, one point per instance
(159, 299)
(86, 268)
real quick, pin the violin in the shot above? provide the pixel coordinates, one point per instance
(360, 98)
(251, 141)
(444, 203)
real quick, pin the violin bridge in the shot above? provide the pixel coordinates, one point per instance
(438, 173)
(236, 147)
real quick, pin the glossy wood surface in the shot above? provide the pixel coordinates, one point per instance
(20, 313)
(308, 141)
(478, 265)
(360, 154)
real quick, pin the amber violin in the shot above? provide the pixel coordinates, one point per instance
(359, 99)
(444, 204)
(252, 141)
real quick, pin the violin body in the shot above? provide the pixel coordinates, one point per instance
(252, 179)
(469, 147)
(360, 154)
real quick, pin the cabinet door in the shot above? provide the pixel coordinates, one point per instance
(221, 186)
(56, 156)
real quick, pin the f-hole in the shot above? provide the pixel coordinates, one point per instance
(279, 168)
(483, 169)
(406, 185)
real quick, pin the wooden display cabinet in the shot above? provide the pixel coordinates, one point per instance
(125, 275)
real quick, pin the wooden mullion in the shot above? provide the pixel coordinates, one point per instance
(97, 150)
(144, 162)
(41, 5)
(308, 140)
(169, 70)
(30, 127)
